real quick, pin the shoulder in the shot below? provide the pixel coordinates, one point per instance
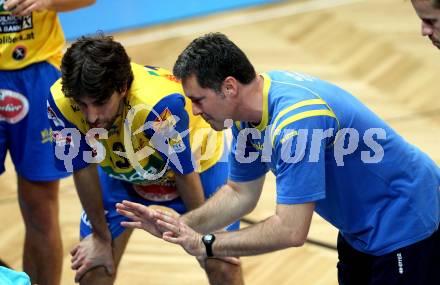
(152, 85)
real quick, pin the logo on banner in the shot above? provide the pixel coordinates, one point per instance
(13, 106)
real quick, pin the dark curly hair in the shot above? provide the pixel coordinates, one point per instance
(212, 58)
(95, 67)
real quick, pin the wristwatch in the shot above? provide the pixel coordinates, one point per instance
(208, 241)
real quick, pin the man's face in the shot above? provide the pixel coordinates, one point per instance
(430, 17)
(101, 114)
(213, 107)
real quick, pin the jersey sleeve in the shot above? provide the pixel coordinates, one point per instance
(69, 143)
(244, 161)
(299, 144)
(169, 132)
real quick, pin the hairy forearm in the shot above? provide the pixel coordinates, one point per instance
(89, 192)
(68, 5)
(267, 236)
(223, 208)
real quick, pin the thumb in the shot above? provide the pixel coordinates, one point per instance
(110, 268)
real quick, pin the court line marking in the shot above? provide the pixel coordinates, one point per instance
(234, 20)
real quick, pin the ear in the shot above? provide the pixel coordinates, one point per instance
(230, 86)
(123, 93)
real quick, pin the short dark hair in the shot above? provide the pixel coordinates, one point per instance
(95, 67)
(212, 58)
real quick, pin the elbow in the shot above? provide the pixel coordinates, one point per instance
(301, 241)
(297, 242)
(297, 239)
(248, 209)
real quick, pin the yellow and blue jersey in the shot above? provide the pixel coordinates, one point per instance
(154, 104)
(25, 40)
(325, 146)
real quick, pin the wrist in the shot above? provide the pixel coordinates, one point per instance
(184, 219)
(50, 5)
(208, 243)
(104, 236)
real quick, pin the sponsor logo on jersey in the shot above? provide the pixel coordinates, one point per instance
(164, 122)
(171, 78)
(13, 106)
(177, 144)
(75, 107)
(156, 193)
(19, 53)
(15, 24)
(46, 135)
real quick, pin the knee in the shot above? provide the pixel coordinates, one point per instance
(221, 272)
(37, 195)
(97, 276)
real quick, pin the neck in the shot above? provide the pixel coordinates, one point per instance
(251, 107)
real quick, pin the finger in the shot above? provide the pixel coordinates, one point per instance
(138, 209)
(81, 271)
(167, 214)
(27, 10)
(201, 261)
(132, 225)
(121, 206)
(75, 256)
(77, 263)
(128, 214)
(135, 206)
(229, 259)
(169, 237)
(110, 268)
(18, 9)
(166, 217)
(8, 5)
(74, 250)
(168, 227)
(78, 276)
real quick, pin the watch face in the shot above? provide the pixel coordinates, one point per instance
(208, 238)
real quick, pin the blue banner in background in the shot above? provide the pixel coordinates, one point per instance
(114, 16)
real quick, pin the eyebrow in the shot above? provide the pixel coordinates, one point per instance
(97, 101)
(194, 98)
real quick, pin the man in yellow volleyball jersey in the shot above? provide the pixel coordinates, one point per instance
(31, 40)
(135, 122)
(429, 12)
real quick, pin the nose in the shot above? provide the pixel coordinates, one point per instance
(91, 114)
(426, 29)
(196, 109)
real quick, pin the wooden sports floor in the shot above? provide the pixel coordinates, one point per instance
(372, 48)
